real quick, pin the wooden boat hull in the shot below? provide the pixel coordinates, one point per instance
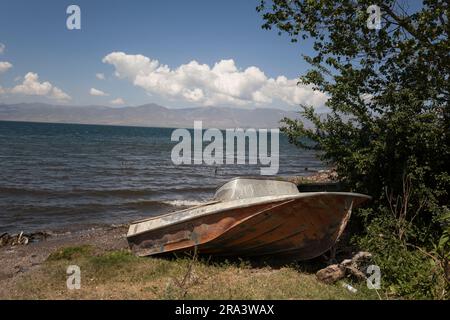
(301, 226)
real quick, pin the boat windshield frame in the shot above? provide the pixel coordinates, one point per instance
(251, 187)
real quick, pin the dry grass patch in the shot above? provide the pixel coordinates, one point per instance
(121, 275)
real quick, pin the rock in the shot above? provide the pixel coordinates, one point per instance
(4, 239)
(22, 238)
(19, 240)
(356, 272)
(354, 267)
(358, 264)
(38, 236)
(331, 274)
(347, 262)
(315, 177)
(361, 256)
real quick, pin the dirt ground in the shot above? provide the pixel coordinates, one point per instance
(17, 261)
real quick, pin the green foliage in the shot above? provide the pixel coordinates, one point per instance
(387, 129)
(408, 273)
(113, 259)
(110, 264)
(70, 253)
(442, 248)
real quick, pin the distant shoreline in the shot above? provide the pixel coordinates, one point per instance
(149, 115)
(91, 124)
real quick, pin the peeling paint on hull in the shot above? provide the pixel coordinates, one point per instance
(300, 226)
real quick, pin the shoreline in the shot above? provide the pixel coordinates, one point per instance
(315, 177)
(19, 261)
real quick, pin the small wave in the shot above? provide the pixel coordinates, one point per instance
(190, 189)
(115, 192)
(16, 191)
(184, 203)
(78, 192)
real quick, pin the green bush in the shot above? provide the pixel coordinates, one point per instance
(406, 271)
(70, 253)
(387, 126)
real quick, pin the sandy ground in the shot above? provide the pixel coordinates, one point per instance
(16, 261)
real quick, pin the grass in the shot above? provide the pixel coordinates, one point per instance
(70, 253)
(121, 275)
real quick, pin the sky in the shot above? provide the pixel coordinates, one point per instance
(175, 53)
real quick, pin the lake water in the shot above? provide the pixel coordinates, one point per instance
(70, 176)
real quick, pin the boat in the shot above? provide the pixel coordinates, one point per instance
(250, 217)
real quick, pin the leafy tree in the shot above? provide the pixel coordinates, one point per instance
(387, 131)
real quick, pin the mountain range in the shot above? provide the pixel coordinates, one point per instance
(148, 115)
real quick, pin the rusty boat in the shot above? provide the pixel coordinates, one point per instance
(250, 217)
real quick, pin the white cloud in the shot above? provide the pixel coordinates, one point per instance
(32, 86)
(2, 48)
(117, 102)
(221, 84)
(2, 91)
(100, 76)
(96, 92)
(58, 94)
(5, 66)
